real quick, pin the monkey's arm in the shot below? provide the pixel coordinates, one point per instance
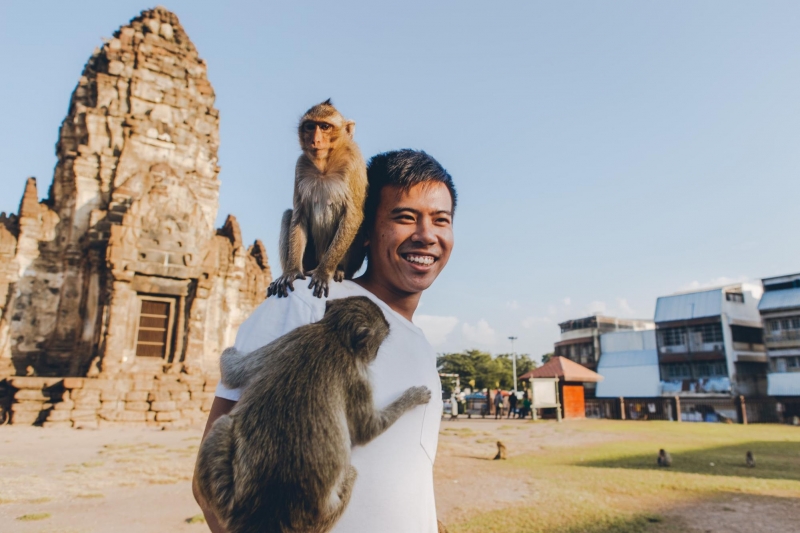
(342, 240)
(296, 244)
(368, 422)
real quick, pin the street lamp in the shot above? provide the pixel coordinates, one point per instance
(514, 361)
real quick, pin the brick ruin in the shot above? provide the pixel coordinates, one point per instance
(117, 294)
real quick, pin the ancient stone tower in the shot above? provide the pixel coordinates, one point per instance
(120, 269)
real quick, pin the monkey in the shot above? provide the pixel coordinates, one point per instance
(749, 459)
(501, 451)
(330, 187)
(280, 462)
(664, 458)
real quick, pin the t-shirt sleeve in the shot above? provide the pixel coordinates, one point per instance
(272, 319)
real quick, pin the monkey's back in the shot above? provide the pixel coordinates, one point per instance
(297, 390)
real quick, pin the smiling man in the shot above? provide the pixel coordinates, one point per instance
(409, 237)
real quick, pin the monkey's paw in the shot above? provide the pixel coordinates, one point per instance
(338, 276)
(319, 283)
(284, 283)
(419, 395)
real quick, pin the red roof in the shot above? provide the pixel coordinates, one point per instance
(561, 367)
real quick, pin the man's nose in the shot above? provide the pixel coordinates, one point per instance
(425, 231)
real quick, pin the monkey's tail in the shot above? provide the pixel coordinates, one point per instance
(214, 471)
(283, 239)
(233, 368)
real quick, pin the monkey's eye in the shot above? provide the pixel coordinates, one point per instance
(309, 126)
(324, 127)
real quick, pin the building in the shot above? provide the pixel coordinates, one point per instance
(780, 312)
(629, 365)
(580, 339)
(120, 270)
(711, 342)
(572, 379)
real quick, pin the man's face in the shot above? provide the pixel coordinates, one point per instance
(412, 238)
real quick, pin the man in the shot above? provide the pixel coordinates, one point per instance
(409, 237)
(498, 404)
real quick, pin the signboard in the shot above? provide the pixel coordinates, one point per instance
(544, 394)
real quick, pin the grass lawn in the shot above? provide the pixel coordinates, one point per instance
(608, 481)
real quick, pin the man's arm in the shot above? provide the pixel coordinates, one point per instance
(220, 407)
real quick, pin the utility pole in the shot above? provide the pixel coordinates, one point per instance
(514, 361)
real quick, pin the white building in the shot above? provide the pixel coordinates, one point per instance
(629, 365)
(711, 342)
(780, 311)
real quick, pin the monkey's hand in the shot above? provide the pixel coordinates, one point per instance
(284, 283)
(319, 283)
(417, 395)
(338, 276)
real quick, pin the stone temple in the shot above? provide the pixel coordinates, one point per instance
(120, 271)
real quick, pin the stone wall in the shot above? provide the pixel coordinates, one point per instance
(160, 400)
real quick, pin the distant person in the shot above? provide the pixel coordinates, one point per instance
(498, 404)
(512, 404)
(526, 405)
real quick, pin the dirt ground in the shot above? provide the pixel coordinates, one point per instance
(130, 480)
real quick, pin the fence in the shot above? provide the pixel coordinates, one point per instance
(731, 410)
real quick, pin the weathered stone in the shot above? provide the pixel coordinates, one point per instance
(115, 405)
(64, 405)
(85, 394)
(57, 424)
(159, 397)
(24, 417)
(202, 395)
(143, 385)
(30, 394)
(27, 406)
(162, 406)
(73, 383)
(133, 416)
(167, 416)
(78, 414)
(189, 404)
(85, 424)
(86, 404)
(111, 395)
(179, 396)
(210, 388)
(58, 416)
(137, 396)
(137, 406)
(151, 416)
(32, 382)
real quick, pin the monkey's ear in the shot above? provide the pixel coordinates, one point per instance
(350, 128)
(360, 336)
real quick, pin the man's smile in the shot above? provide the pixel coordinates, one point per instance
(419, 259)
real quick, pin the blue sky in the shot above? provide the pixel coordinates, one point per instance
(605, 153)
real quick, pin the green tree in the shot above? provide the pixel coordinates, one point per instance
(486, 371)
(546, 357)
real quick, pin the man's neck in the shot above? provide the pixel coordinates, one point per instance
(402, 302)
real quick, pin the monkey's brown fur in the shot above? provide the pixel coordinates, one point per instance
(664, 458)
(330, 186)
(501, 451)
(280, 461)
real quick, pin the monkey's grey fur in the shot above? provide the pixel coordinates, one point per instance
(664, 458)
(749, 459)
(280, 461)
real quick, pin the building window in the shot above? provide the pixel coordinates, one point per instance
(737, 297)
(710, 332)
(154, 336)
(747, 335)
(673, 336)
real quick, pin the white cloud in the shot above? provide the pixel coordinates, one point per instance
(567, 301)
(514, 305)
(713, 283)
(531, 321)
(624, 308)
(481, 333)
(597, 307)
(436, 328)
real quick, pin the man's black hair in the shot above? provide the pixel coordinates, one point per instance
(402, 169)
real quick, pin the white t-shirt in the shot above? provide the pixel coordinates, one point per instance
(394, 489)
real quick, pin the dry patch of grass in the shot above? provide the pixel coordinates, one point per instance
(33, 516)
(90, 495)
(196, 519)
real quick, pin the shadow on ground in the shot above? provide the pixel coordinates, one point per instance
(774, 460)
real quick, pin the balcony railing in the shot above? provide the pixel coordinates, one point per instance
(783, 335)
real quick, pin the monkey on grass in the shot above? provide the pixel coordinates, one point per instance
(664, 458)
(749, 460)
(330, 187)
(280, 461)
(501, 451)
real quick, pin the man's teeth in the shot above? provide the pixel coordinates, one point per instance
(420, 259)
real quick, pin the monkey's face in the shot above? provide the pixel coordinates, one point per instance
(318, 138)
(411, 240)
(361, 322)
